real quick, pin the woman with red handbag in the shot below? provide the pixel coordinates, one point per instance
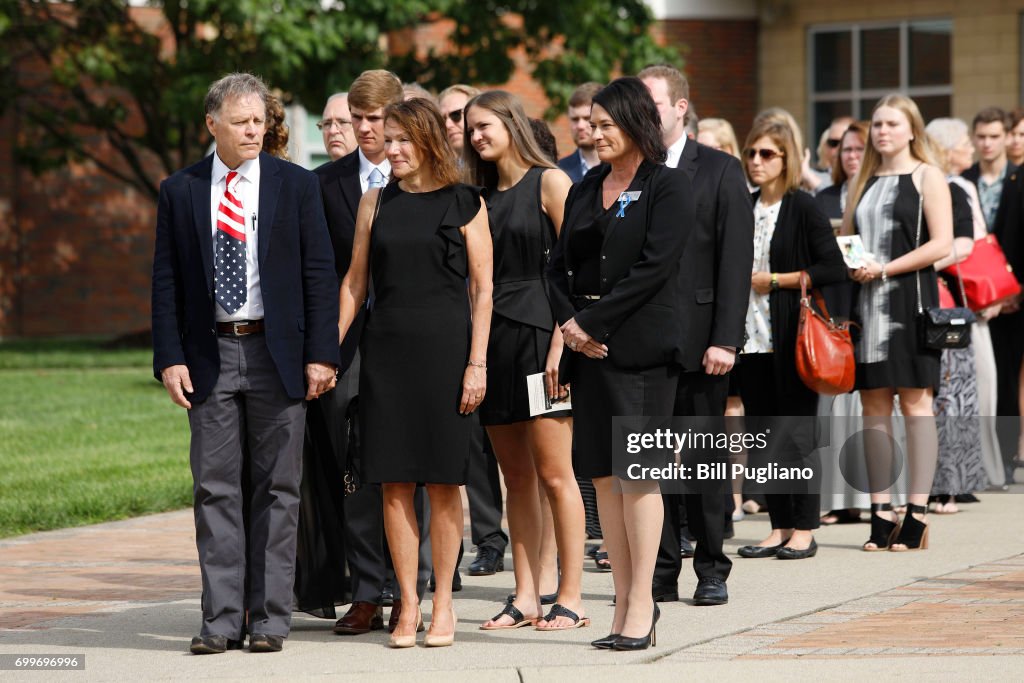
(969, 453)
(791, 236)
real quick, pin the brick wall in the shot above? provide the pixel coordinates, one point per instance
(721, 66)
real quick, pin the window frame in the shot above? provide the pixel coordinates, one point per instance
(855, 95)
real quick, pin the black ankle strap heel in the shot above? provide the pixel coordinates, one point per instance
(883, 531)
(913, 534)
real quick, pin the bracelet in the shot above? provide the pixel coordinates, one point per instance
(775, 281)
(477, 364)
(885, 278)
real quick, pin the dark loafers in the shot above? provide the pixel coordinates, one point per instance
(362, 617)
(213, 645)
(264, 642)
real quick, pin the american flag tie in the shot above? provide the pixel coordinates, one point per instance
(229, 278)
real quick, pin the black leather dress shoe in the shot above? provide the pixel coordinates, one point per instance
(387, 594)
(665, 593)
(488, 561)
(685, 547)
(710, 591)
(213, 645)
(794, 554)
(759, 550)
(264, 642)
(456, 582)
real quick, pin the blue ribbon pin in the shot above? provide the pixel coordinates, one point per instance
(624, 200)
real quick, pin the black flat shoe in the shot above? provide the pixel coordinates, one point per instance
(606, 642)
(213, 645)
(759, 550)
(642, 643)
(795, 554)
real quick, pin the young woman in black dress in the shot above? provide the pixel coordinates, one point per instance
(526, 197)
(424, 367)
(897, 192)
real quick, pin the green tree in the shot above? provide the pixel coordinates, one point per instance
(123, 86)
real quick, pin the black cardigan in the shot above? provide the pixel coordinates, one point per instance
(803, 240)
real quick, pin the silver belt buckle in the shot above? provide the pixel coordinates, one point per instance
(235, 328)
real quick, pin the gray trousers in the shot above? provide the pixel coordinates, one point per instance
(247, 416)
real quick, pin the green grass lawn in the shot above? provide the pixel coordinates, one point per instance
(86, 435)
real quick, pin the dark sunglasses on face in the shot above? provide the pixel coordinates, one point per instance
(455, 116)
(765, 154)
(833, 142)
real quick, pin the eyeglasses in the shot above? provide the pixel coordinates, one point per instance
(330, 123)
(455, 116)
(833, 142)
(765, 154)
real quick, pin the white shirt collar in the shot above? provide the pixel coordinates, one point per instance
(675, 152)
(366, 166)
(249, 170)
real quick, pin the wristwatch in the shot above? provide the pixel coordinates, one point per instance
(775, 281)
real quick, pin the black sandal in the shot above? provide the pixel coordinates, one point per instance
(883, 531)
(913, 532)
(602, 561)
(518, 620)
(559, 611)
(842, 516)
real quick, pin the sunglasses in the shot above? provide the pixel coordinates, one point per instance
(833, 142)
(455, 116)
(765, 154)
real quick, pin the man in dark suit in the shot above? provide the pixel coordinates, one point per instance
(244, 330)
(343, 183)
(584, 158)
(716, 282)
(1000, 190)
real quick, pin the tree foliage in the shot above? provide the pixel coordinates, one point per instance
(95, 76)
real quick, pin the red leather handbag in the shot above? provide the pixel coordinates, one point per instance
(946, 299)
(988, 277)
(824, 349)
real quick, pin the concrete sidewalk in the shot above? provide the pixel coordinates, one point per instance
(126, 595)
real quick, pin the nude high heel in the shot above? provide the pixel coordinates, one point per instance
(408, 641)
(431, 640)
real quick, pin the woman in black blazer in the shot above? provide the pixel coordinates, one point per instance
(791, 235)
(614, 286)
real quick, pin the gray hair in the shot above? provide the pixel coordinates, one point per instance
(946, 132)
(231, 86)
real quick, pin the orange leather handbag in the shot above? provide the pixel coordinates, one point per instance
(824, 349)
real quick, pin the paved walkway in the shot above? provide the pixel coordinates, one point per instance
(125, 595)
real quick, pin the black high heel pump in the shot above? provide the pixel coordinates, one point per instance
(642, 643)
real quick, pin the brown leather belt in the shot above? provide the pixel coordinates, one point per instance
(239, 328)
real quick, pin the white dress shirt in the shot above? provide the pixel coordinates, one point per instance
(366, 167)
(247, 189)
(759, 312)
(675, 152)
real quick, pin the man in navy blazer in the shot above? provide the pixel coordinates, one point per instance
(584, 158)
(245, 312)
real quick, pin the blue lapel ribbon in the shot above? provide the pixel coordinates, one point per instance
(624, 200)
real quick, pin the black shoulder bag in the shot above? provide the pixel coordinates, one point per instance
(941, 328)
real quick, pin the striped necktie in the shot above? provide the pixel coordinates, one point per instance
(229, 277)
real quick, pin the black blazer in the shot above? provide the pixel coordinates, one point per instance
(639, 314)
(572, 165)
(339, 184)
(829, 201)
(803, 240)
(1009, 225)
(715, 269)
(300, 295)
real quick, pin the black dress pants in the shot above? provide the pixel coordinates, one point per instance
(697, 394)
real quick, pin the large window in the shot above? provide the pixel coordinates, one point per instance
(853, 65)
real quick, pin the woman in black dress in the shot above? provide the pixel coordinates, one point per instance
(525, 198)
(896, 194)
(424, 347)
(792, 237)
(613, 281)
